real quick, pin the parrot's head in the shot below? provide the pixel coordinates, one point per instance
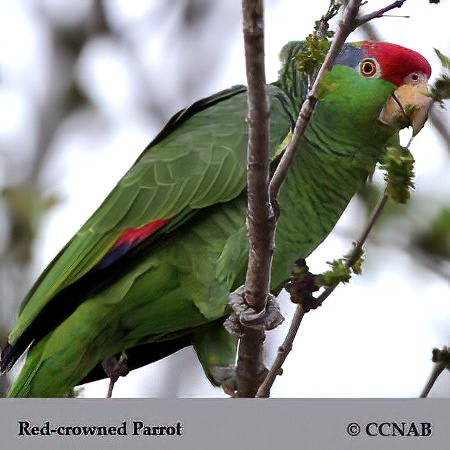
(405, 69)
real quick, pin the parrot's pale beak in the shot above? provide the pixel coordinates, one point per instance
(408, 105)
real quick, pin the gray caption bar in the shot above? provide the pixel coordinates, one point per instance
(223, 424)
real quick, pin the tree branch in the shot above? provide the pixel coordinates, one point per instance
(359, 244)
(441, 359)
(377, 14)
(260, 218)
(283, 351)
(436, 372)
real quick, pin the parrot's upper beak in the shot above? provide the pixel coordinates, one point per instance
(408, 105)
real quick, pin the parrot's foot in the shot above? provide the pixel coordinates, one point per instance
(225, 377)
(115, 368)
(245, 316)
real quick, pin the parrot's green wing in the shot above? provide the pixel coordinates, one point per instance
(197, 160)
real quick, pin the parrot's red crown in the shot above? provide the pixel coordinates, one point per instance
(396, 62)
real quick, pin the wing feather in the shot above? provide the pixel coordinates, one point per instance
(197, 160)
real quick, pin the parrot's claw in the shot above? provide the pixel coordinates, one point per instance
(115, 367)
(244, 315)
(225, 377)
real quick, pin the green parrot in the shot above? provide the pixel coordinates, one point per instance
(151, 271)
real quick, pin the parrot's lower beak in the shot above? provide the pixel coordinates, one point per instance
(408, 106)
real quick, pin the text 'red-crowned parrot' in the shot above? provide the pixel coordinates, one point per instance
(151, 271)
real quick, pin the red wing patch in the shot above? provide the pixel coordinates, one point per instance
(137, 235)
(128, 240)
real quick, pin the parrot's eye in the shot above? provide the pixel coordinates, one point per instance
(368, 67)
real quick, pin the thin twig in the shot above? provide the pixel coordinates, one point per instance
(359, 244)
(435, 373)
(260, 219)
(282, 354)
(377, 14)
(441, 360)
(110, 388)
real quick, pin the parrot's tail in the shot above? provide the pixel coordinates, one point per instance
(40, 378)
(64, 357)
(53, 369)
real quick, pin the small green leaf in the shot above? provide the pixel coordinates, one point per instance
(398, 163)
(339, 273)
(313, 54)
(342, 268)
(354, 259)
(317, 43)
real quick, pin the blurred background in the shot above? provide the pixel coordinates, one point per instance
(85, 85)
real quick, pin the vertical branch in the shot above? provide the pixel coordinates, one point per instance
(260, 220)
